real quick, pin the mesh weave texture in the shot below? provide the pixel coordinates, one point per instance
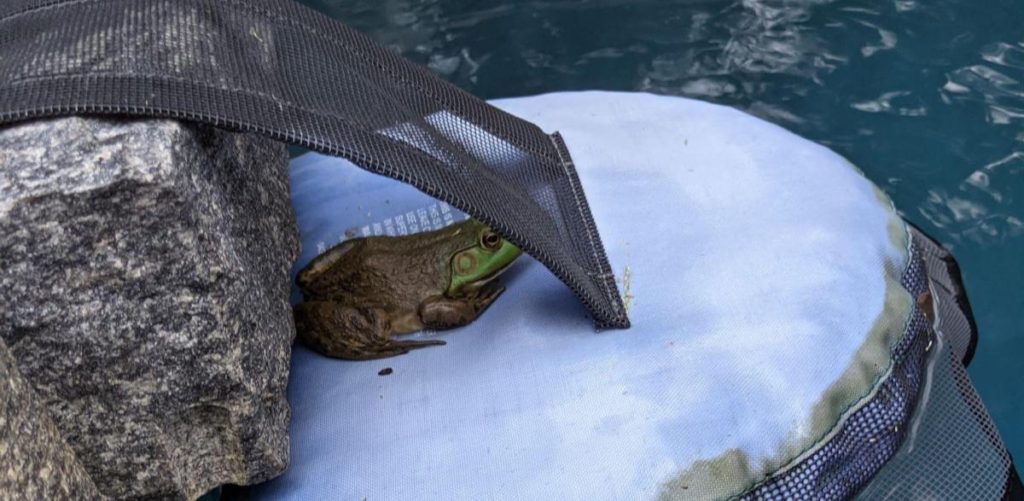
(925, 433)
(952, 449)
(871, 434)
(276, 68)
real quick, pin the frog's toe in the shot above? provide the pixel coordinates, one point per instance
(394, 348)
(414, 344)
(487, 296)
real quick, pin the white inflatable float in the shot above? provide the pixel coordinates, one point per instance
(772, 293)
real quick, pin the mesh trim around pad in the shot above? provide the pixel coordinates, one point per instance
(865, 439)
(870, 452)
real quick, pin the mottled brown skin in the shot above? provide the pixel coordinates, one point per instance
(361, 293)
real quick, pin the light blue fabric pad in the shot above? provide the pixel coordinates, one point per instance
(759, 268)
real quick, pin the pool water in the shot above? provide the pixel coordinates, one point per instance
(926, 97)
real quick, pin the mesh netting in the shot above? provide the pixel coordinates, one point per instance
(953, 450)
(951, 454)
(924, 434)
(954, 310)
(869, 436)
(279, 69)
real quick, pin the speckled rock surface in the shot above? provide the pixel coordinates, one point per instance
(35, 461)
(145, 281)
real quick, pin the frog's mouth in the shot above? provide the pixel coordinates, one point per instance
(482, 284)
(490, 279)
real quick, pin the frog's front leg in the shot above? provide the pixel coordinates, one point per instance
(441, 312)
(352, 333)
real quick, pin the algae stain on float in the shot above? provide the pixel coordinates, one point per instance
(896, 227)
(732, 473)
(709, 478)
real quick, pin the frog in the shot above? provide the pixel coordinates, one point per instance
(360, 294)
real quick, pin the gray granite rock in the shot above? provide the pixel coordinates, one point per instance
(35, 461)
(144, 283)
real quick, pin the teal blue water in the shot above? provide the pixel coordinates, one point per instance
(925, 96)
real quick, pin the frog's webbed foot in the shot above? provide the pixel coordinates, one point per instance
(394, 348)
(439, 312)
(487, 296)
(350, 333)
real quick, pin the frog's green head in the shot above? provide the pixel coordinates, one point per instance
(487, 257)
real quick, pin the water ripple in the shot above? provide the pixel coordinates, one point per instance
(1004, 54)
(996, 84)
(984, 208)
(884, 104)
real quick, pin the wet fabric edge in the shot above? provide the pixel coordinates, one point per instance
(900, 353)
(938, 273)
(733, 476)
(922, 251)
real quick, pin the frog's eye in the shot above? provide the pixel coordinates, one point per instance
(490, 240)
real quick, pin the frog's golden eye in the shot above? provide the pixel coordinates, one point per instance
(490, 240)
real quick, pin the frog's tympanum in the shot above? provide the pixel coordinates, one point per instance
(361, 293)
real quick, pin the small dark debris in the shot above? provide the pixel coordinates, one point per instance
(385, 371)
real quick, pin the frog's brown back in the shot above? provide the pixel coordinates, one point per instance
(385, 272)
(398, 280)
(317, 275)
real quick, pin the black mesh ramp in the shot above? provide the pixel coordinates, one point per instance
(276, 68)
